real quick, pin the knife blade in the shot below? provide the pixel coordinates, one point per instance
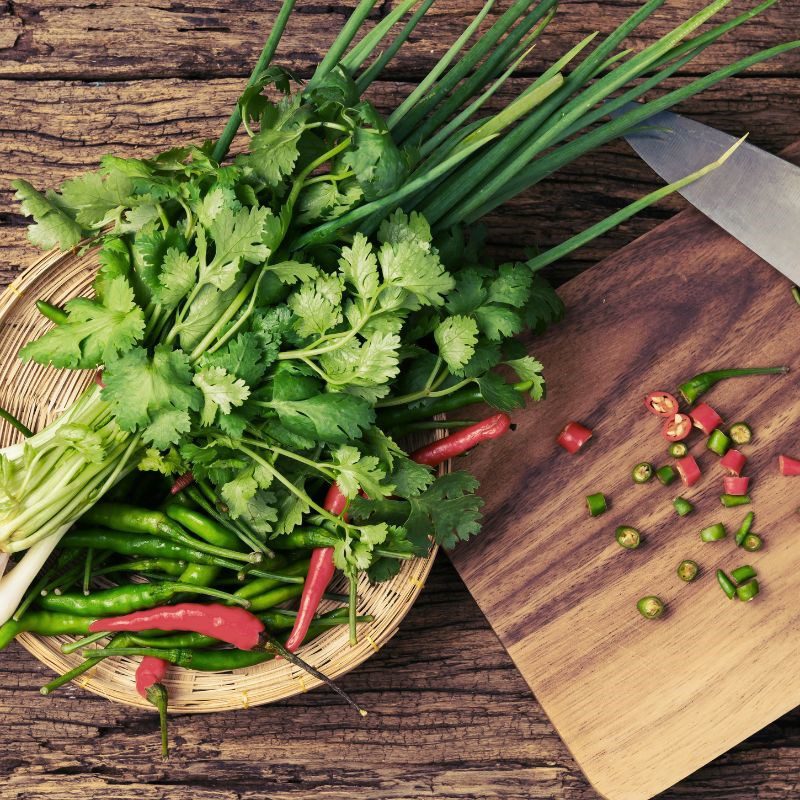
(754, 196)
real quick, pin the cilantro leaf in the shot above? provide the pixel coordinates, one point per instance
(354, 552)
(456, 337)
(238, 493)
(355, 472)
(54, 226)
(499, 394)
(221, 392)
(290, 272)
(544, 306)
(359, 266)
(369, 363)
(317, 305)
(97, 199)
(177, 278)
(498, 322)
(530, 369)
(115, 262)
(242, 357)
(512, 285)
(96, 331)
(334, 417)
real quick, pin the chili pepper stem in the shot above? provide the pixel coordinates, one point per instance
(15, 423)
(158, 696)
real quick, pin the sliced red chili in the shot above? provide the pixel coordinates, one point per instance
(788, 465)
(677, 428)
(574, 436)
(735, 485)
(733, 461)
(662, 404)
(705, 418)
(689, 470)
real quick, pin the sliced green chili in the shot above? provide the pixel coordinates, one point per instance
(666, 474)
(733, 500)
(741, 433)
(682, 506)
(744, 528)
(688, 570)
(713, 533)
(678, 449)
(796, 294)
(743, 574)
(726, 584)
(747, 591)
(642, 472)
(701, 383)
(651, 607)
(718, 442)
(628, 537)
(596, 504)
(752, 542)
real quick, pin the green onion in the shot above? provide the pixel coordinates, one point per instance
(726, 584)
(718, 443)
(666, 474)
(744, 528)
(682, 506)
(642, 472)
(688, 570)
(741, 433)
(747, 591)
(678, 449)
(743, 574)
(752, 543)
(651, 607)
(628, 537)
(733, 500)
(713, 533)
(597, 504)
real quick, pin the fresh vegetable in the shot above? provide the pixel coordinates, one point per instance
(733, 500)
(735, 486)
(678, 450)
(156, 694)
(682, 506)
(662, 404)
(573, 436)
(733, 461)
(718, 443)
(688, 570)
(713, 533)
(642, 472)
(462, 441)
(651, 607)
(752, 543)
(689, 470)
(705, 418)
(666, 475)
(677, 428)
(53, 313)
(700, 384)
(744, 528)
(628, 537)
(726, 584)
(8, 417)
(740, 433)
(596, 504)
(788, 466)
(742, 574)
(747, 591)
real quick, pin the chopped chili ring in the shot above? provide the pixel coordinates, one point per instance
(733, 500)
(678, 450)
(718, 442)
(741, 433)
(688, 570)
(597, 504)
(651, 607)
(642, 472)
(752, 542)
(747, 591)
(705, 418)
(628, 537)
(682, 506)
(735, 485)
(574, 436)
(726, 584)
(663, 404)
(713, 533)
(677, 428)
(666, 474)
(733, 461)
(744, 528)
(789, 466)
(742, 574)
(689, 470)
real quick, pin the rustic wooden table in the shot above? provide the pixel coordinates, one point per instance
(450, 716)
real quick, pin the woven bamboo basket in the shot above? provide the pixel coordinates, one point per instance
(36, 395)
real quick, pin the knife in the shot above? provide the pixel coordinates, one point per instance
(754, 195)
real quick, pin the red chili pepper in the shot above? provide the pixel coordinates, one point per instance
(705, 418)
(788, 465)
(677, 428)
(460, 442)
(231, 624)
(151, 670)
(181, 482)
(733, 461)
(98, 378)
(661, 403)
(735, 485)
(689, 470)
(574, 436)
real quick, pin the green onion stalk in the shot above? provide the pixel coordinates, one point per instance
(439, 153)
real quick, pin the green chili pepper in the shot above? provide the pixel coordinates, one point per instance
(682, 506)
(741, 433)
(752, 543)
(666, 474)
(713, 533)
(743, 574)
(262, 585)
(733, 500)
(651, 607)
(718, 442)
(304, 539)
(744, 528)
(642, 472)
(747, 591)
(628, 537)
(688, 570)
(701, 383)
(45, 623)
(274, 597)
(53, 313)
(596, 503)
(726, 584)
(167, 566)
(202, 526)
(678, 449)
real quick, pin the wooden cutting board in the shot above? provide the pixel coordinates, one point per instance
(640, 703)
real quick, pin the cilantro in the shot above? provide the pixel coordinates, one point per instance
(456, 337)
(96, 199)
(355, 472)
(334, 417)
(354, 552)
(529, 369)
(221, 392)
(242, 357)
(177, 278)
(317, 305)
(54, 226)
(496, 392)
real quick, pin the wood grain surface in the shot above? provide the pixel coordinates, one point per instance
(451, 717)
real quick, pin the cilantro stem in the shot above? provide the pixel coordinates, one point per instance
(328, 473)
(423, 394)
(223, 144)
